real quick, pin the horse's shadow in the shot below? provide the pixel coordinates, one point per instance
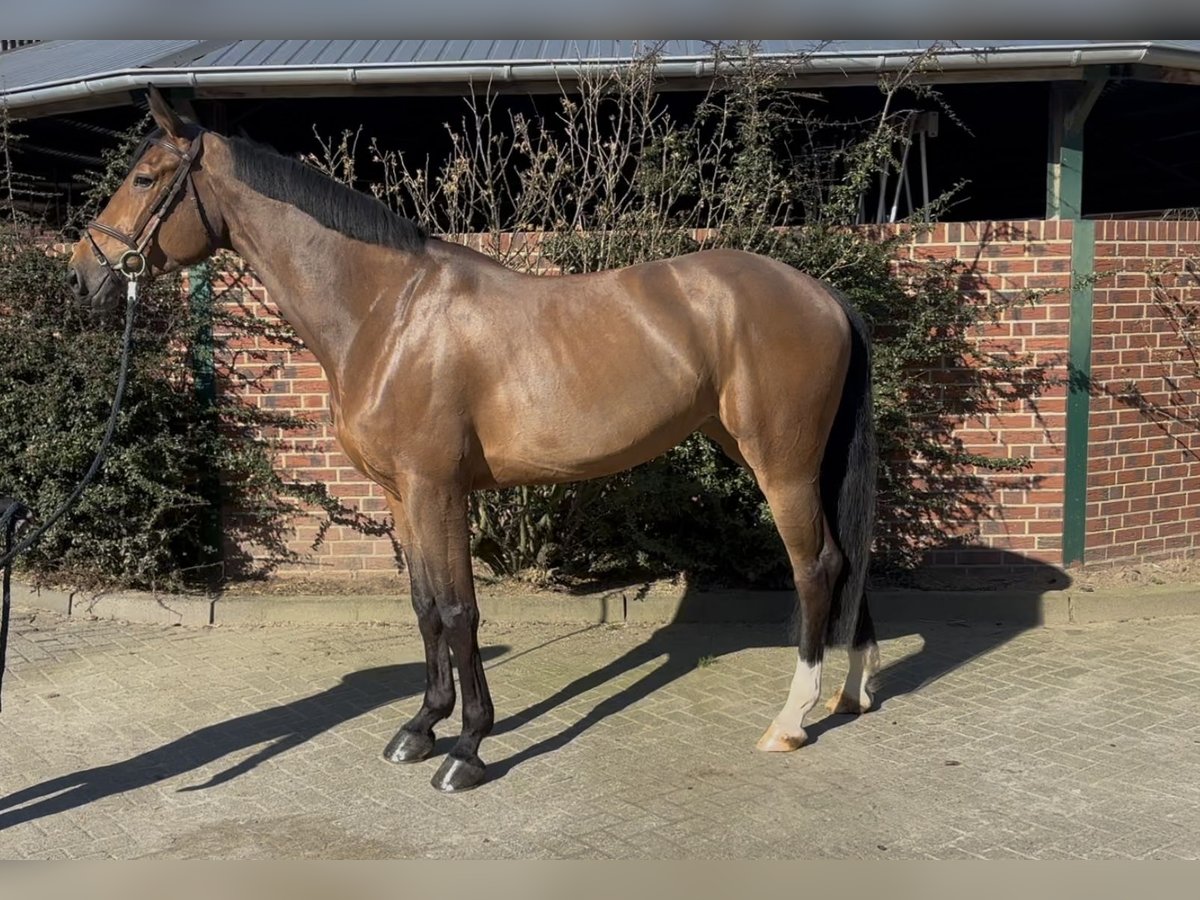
(684, 645)
(285, 726)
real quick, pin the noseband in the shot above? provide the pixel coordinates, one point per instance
(132, 263)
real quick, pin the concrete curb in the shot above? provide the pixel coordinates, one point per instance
(652, 605)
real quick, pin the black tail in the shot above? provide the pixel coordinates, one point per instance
(848, 475)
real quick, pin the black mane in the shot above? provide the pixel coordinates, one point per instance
(334, 205)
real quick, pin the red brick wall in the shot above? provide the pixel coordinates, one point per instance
(1145, 482)
(1019, 512)
(1144, 467)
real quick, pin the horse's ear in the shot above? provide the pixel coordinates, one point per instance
(165, 117)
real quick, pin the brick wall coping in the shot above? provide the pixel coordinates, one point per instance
(1026, 608)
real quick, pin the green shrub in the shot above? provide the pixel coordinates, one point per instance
(187, 481)
(143, 516)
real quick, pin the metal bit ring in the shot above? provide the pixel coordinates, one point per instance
(132, 264)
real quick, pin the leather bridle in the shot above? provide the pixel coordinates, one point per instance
(132, 263)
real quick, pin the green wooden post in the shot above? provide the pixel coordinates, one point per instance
(200, 300)
(200, 304)
(1069, 108)
(1079, 383)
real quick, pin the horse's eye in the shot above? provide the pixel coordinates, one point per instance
(142, 181)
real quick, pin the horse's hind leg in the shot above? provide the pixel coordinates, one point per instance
(816, 562)
(414, 741)
(855, 697)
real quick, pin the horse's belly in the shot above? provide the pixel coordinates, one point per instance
(594, 437)
(603, 387)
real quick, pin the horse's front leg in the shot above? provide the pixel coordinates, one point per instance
(440, 568)
(414, 741)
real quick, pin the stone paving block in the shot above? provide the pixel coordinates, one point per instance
(245, 741)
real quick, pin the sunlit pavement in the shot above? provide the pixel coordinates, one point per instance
(122, 740)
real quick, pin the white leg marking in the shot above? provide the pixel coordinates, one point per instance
(855, 697)
(786, 732)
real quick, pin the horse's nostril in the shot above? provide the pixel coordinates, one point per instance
(75, 283)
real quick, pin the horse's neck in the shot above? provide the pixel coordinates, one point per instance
(305, 268)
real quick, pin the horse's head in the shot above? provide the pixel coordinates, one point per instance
(156, 221)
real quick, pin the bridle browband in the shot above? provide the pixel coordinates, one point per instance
(132, 263)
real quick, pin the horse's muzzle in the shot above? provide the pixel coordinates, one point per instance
(97, 294)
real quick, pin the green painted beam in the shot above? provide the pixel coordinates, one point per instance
(200, 307)
(1079, 383)
(200, 303)
(1070, 105)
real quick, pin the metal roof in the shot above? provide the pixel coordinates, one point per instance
(298, 53)
(56, 76)
(294, 53)
(51, 61)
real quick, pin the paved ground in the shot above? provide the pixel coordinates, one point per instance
(139, 741)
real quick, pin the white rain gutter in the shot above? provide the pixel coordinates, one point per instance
(950, 60)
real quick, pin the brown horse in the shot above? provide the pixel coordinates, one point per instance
(450, 373)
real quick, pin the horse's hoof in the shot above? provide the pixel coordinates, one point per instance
(775, 740)
(456, 775)
(408, 747)
(843, 704)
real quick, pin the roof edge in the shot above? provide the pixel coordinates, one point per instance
(100, 87)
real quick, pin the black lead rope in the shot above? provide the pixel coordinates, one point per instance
(13, 516)
(16, 511)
